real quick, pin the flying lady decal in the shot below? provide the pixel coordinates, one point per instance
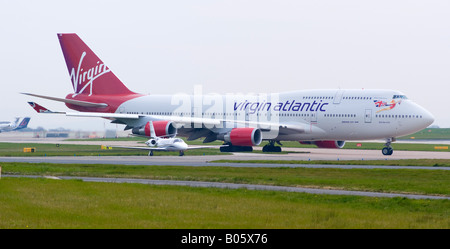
(387, 106)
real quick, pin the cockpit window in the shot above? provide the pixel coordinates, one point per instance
(400, 97)
(177, 140)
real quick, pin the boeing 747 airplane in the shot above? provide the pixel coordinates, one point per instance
(326, 118)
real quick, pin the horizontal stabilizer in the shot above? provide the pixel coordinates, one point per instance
(70, 101)
(41, 109)
(38, 108)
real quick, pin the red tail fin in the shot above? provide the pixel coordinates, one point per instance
(39, 108)
(88, 73)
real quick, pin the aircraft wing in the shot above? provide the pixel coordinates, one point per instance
(164, 149)
(141, 148)
(102, 115)
(284, 128)
(205, 147)
(180, 121)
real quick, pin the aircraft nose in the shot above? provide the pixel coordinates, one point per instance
(183, 146)
(427, 117)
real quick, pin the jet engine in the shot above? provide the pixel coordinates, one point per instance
(243, 136)
(331, 144)
(151, 142)
(163, 128)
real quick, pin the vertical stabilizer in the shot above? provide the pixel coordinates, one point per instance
(16, 122)
(23, 124)
(152, 130)
(89, 75)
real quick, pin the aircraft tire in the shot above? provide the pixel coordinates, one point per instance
(387, 151)
(271, 148)
(234, 148)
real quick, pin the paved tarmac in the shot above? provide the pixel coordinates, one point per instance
(194, 161)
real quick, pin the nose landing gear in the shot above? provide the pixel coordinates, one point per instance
(388, 150)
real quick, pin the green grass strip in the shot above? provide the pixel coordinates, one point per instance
(413, 181)
(401, 162)
(45, 203)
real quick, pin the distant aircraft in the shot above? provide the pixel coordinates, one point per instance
(6, 126)
(324, 117)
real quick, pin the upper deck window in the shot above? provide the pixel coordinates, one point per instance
(400, 97)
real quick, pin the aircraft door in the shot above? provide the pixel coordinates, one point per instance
(368, 116)
(314, 117)
(338, 97)
(196, 113)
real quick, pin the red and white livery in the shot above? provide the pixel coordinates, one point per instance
(325, 117)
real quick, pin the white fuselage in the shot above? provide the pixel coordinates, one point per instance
(8, 126)
(313, 114)
(170, 144)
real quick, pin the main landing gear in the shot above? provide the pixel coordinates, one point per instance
(151, 153)
(388, 150)
(266, 148)
(271, 147)
(235, 148)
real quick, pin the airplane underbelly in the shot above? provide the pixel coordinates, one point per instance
(357, 130)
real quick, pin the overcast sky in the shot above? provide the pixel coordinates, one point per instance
(165, 47)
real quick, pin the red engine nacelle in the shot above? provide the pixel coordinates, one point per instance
(162, 128)
(244, 136)
(331, 144)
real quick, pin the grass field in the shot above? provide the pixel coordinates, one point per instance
(401, 162)
(45, 203)
(431, 182)
(430, 133)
